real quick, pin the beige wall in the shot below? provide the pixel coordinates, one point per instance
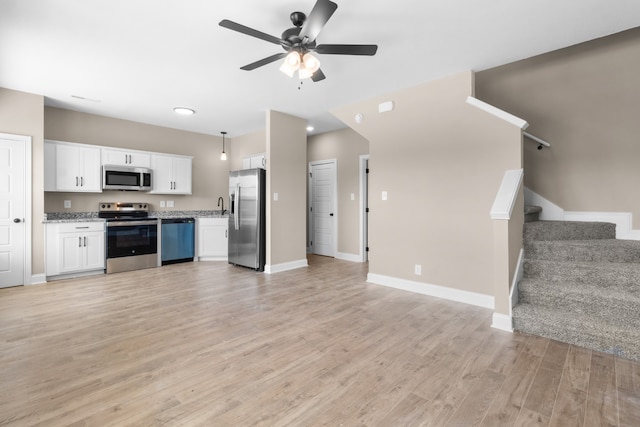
(22, 114)
(210, 174)
(585, 101)
(245, 146)
(441, 162)
(286, 175)
(346, 146)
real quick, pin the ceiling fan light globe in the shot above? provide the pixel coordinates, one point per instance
(291, 63)
(310, 62)
(304, 73)
(288, 69)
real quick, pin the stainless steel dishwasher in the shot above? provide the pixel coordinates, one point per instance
(178, 240)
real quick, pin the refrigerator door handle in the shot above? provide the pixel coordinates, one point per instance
(237, 215)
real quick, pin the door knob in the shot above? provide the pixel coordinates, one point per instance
(17, 220)
(331, 214)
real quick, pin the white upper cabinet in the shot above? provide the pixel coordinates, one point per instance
(72, 167)
(255, 161)
(171, 174)
(114, 156)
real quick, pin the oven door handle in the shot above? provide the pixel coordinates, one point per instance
(131, 223)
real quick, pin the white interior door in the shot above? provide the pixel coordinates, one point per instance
(323, 208)
(12, 212)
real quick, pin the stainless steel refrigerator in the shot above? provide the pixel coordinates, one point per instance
(247, 192)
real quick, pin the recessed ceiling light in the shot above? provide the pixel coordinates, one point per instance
(309, 128)
(184, 111)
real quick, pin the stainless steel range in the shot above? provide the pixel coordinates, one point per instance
(131, 236)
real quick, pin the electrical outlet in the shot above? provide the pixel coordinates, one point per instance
(67, 204)
(384, 195)
(275, 197)
(418, 269)
(162, 204)
(353, 196)
(170, 203)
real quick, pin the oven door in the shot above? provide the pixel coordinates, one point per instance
(132, 238)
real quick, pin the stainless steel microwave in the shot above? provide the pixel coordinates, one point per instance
(126, 178)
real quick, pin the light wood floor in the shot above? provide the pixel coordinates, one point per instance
(208, 344)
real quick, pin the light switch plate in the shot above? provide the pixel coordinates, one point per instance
(275, 197)
(67, 204)
(162, 204)
(170, 203)
(384, 195)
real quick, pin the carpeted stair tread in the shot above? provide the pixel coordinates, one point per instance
(602, 250)
(579, 329)
(601, 274)
(617, 304)
(568, 230)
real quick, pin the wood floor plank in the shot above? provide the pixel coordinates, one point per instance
(543, 392)
(510, 399)
(602, 395)
(209, 344)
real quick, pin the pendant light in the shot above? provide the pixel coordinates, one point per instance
(223, 156)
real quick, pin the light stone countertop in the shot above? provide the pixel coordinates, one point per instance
(64, 217)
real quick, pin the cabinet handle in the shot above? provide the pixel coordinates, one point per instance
(85, 241)
(81, 181)
(79, 242)
(76, 181)
(226, 233)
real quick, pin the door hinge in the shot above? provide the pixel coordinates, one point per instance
(311, 243)
(311, 208)
(367, 249)
(367, 171)
(367, 210)
(310, 174)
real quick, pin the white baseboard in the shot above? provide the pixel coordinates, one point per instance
(503, 322)
(285, 266)
(38, 279)
(551, 212)
(471, 298)
(622, 220)
(213, 258)
(348, 257)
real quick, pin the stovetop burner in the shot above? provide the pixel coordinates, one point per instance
(123, 211)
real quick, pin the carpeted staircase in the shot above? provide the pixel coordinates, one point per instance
(581, 286)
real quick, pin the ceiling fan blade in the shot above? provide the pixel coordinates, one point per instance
(347, 49)
(317, 19)
(264, 61)
(250, 31)
(318, 75)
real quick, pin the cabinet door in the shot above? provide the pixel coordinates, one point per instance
(71, 252)
(171, 174)
(258, 162)
(125, 158)
(182, 175)
(77, 168)
(91, 170)
(94, 250)
(69, 162)
(212, 238)
(162, 167)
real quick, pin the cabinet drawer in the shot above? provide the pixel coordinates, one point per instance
(73, 227)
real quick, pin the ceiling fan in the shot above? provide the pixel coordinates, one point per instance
(300, 41)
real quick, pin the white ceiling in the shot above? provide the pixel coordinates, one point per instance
(137, 59)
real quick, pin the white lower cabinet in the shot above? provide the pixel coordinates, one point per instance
(212, 235)
(76, 247)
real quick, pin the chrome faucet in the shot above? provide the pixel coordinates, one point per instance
(221, 200)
